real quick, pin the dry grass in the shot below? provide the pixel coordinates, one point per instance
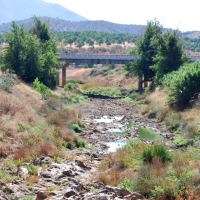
(90, 85)
(110, 80)
(110, 177)
(32, 180)
(5, 103)
(22, 129)
(3, 152)
(157, 98)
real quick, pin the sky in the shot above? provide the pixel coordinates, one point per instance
(182, 15)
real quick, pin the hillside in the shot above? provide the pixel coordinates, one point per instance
(12, 10)
(57, 24)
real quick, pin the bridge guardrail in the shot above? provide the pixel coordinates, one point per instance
(108, 57)
(88, 56)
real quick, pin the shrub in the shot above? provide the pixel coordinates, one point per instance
(76, 128)
(80, 143)
(183, 85)
(156, 151)
(74, 81)
(180, 141)
(127, 184)
(7, 81)
(32, 169)
(41, 88)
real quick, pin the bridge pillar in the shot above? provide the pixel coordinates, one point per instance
(62, 75)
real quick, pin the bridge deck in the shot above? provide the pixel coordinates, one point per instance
(104, 59)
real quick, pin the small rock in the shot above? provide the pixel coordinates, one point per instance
(41, 195)
(22, 171)
(70, 193)
(134, 196)
(118, 191)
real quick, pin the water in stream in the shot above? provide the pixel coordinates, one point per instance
(114, 125)
(113, 146)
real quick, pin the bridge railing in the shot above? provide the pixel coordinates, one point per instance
(88, 56)
(64, 56)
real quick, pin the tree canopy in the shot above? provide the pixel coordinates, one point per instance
(160, 53)
(31, 54)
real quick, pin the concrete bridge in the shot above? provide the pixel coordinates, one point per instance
(92, 59)
(79, 59)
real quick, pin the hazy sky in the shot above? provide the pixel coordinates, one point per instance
(176, 14)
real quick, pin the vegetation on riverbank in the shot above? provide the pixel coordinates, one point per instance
(32, 126)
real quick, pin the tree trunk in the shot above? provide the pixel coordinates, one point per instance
(140, 81)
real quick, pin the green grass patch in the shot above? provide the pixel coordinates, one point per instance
(102, 91)
(148, 134)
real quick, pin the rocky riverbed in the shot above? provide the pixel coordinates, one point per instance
(110, 120)
(106, 122)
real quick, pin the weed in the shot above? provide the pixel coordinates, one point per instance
(80, 143)
(55, 187)
(32, 169)
(180, 141)
(41, 88)
(57, 159)
(156, 151)
(28, 198)
(74, 81)
(127, 184)
(76, 128)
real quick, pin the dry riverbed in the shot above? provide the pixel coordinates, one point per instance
(109, 123)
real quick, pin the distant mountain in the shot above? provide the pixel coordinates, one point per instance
(56, 24)
(13, 10)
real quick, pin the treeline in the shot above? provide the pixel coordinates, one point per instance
(192, 44)
(90, 37)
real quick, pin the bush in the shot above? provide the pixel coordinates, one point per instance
(156, 151)
(80, 143)
(74, 81)
(183, 85)
(7, 81)
(76, 128)
(41, 88)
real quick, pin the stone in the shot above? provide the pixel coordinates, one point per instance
(134, 196)
(120, 192)
(70, 193)
(22, 171)
(41, 195)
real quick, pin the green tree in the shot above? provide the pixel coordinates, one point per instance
(41, 30)
(170, 55)
(21, 56)
(32, 54)
(147, 50)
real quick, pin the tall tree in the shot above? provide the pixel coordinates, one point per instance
(31, 55)
(147, 50)
(170, 55)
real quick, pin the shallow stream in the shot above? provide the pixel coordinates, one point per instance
(117, 125)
